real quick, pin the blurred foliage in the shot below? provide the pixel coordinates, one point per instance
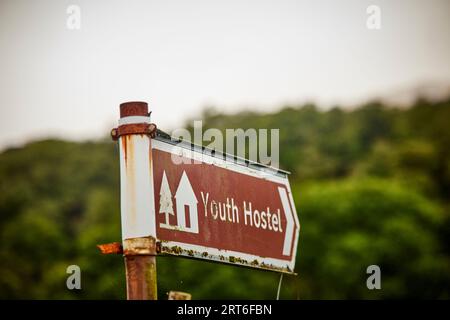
(371, 186)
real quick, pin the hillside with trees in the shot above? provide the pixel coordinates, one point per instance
(371, 185)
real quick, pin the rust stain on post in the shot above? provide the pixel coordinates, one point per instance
(131, 175)
(139, 246)
(135, 128)
(140, 264)
(141, 277)
(124, 148)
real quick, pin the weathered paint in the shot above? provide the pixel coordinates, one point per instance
(140, 264)
(137, 210)
(140, 246)
(134, 128)
(223, 256)
(137, 215)
(141, 277)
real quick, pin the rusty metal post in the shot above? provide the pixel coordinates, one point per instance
(136, 200)
(140, 266)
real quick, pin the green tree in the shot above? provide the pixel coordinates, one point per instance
(349, 225)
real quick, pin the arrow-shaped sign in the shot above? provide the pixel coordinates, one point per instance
(289, 221)
(226, 211)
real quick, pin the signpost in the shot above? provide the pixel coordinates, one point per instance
(181, 199)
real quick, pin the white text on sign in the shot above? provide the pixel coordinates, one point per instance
(229, 211)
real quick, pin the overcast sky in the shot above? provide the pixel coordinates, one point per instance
(183, 55)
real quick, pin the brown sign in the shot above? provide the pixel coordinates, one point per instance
(210, 208)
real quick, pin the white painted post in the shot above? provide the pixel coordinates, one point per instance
(137, 200)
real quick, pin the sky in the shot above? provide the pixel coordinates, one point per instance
(181, 56)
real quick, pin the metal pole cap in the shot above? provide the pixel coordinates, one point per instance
(133, 108)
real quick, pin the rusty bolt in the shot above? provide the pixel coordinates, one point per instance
(115, 134)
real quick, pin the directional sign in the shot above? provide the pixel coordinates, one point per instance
(211, 208)
(180, 199)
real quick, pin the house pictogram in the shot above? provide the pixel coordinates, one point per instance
(186, 202)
